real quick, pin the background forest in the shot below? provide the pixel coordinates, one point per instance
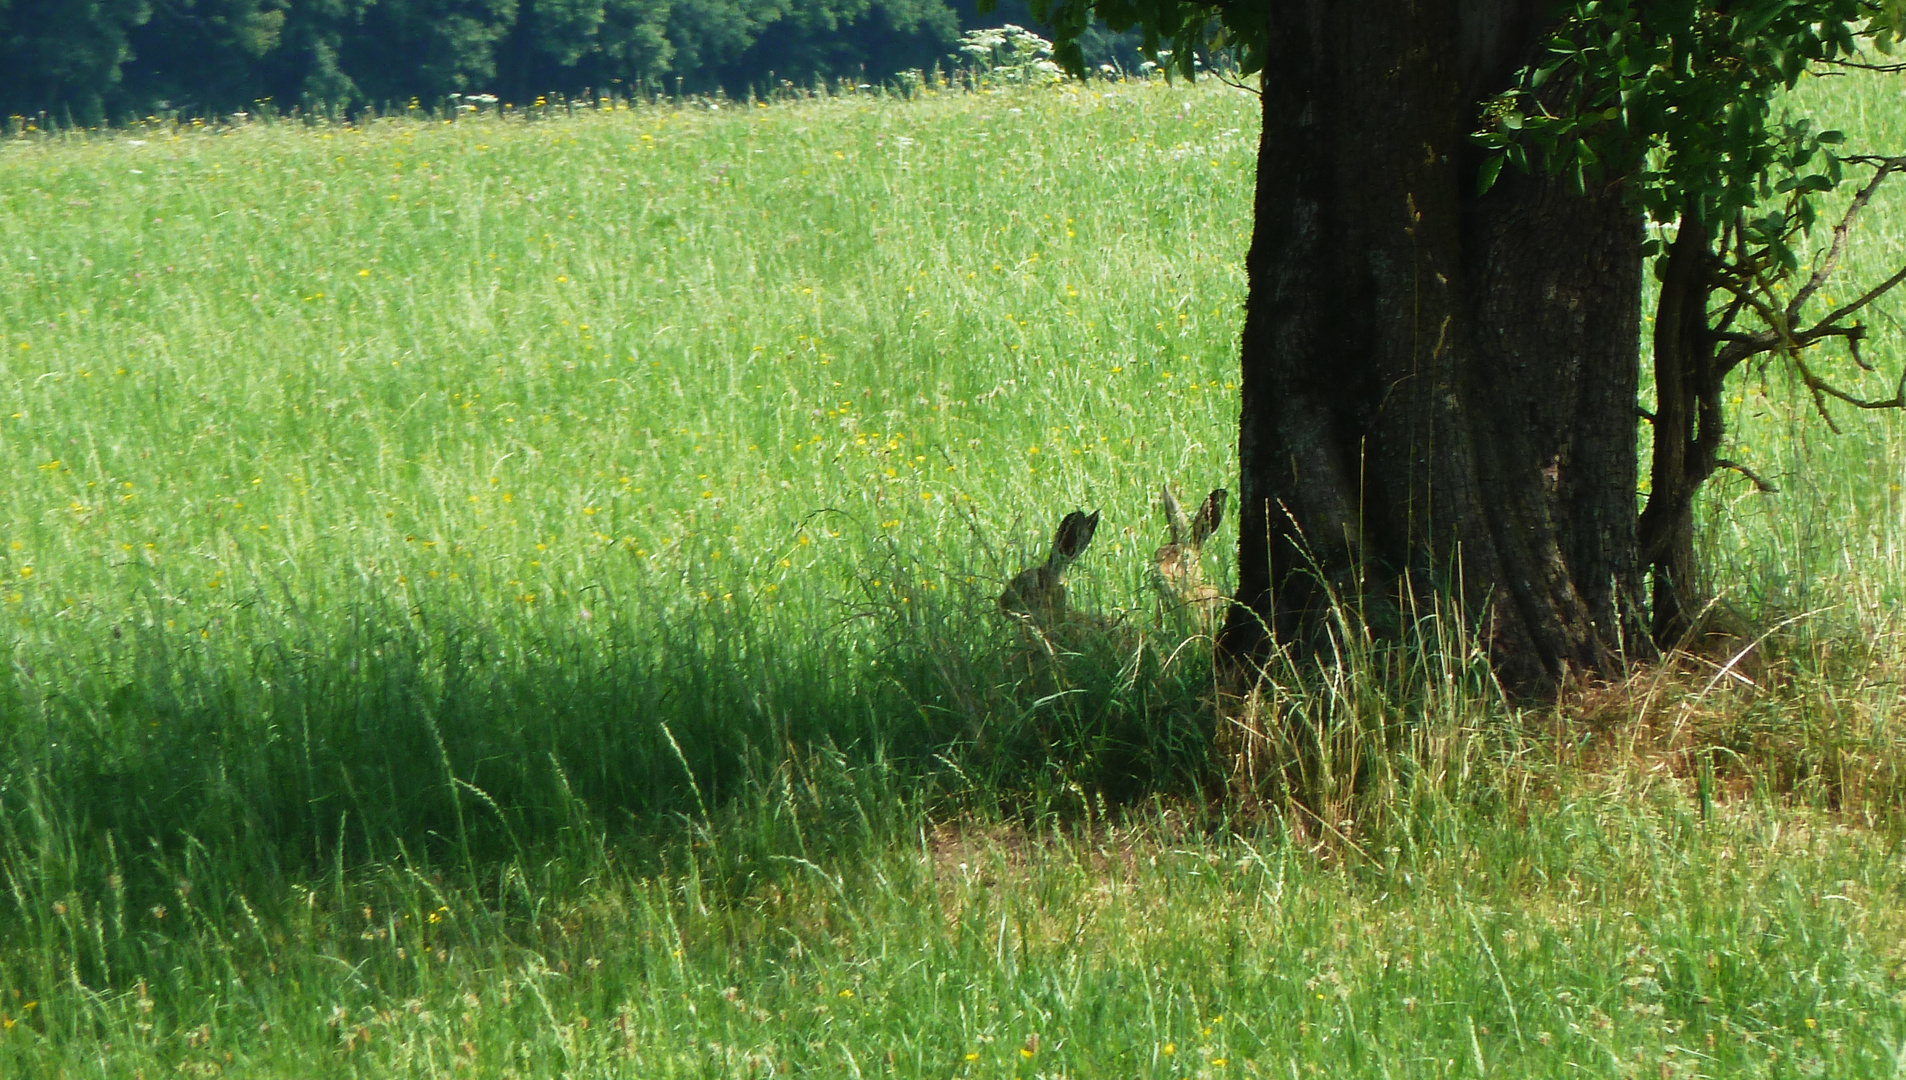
(88, 61)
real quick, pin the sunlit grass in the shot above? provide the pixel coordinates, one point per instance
(485, 364)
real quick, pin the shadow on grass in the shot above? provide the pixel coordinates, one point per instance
(393, 736)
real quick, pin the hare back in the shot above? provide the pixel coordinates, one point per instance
(1196, 596)
(1206, 596)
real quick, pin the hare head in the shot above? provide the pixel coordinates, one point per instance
(1038, 593)
(1177, 572)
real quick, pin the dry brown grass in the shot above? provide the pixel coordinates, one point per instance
(1803, 714)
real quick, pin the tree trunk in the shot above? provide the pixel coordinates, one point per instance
(1687, 430)
(1438, 387)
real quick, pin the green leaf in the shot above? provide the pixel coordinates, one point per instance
(1486, 176)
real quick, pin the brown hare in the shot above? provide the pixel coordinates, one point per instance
(1177, 570)
(1038, 594)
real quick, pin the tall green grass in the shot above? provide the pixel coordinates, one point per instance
(516, 598)
(365, 466)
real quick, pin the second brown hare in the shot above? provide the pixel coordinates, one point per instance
(1177, 567)
(1038, 593)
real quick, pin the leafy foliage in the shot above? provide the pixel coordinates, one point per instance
(428, 48)
(65, 57)
(1175, 32)
(1676, 97)
(1677, 100)
(97, 59)
(195, 50)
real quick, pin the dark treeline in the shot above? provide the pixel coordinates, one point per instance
(94, 61)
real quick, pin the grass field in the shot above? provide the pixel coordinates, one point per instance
(515, 598)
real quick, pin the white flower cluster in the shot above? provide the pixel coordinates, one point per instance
(1013, 53)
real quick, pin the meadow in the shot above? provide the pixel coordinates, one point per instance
(514, 597)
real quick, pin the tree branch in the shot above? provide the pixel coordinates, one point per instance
(1887, 166)
(1820, 389)
(1236, 84)
(1744, 278)
(1889, 69)
(1761, 483)
(1825, 325)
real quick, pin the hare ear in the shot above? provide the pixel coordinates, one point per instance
(1209, 515)
(1174, 515)
(1074, 535)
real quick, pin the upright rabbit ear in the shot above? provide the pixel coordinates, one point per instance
(1209, 515)
(1073, 537)
(1174, 515)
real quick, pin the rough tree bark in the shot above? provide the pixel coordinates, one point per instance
(1438, 387)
